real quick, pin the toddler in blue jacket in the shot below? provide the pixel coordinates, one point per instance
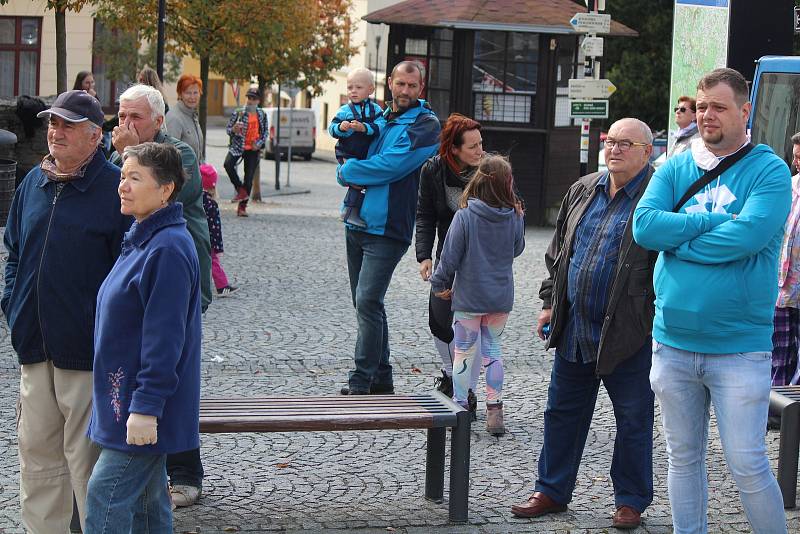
(355, 126)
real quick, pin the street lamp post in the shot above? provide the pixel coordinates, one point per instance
(162, 15)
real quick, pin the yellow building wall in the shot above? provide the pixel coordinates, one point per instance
(79, 40)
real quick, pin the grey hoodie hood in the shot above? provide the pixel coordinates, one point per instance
(485, 211)
(477, 258)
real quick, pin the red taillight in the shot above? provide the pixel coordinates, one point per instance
(314, 131)
(272, 132)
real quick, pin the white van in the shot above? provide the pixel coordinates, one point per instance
(302, 135)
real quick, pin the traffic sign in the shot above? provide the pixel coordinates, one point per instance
(588, 88)
(591, 22)
(588, 109)
(592, 46)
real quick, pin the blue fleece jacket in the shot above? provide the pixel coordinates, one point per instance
(147, 338)
(716, 277)
(390, 173)
(353, 144)
(478, 253)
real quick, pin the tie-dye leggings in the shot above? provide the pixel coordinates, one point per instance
(467, 327)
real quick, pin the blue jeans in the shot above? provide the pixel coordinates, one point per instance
(371, 260)
(686, 383)
(128, 494)
(571, 399)
(185, 468)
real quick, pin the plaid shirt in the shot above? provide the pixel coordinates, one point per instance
(593, 267)
(236, 147)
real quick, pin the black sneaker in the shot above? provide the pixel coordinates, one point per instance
(472, 405)
(227, 291)
(444, 384)
(347, 391)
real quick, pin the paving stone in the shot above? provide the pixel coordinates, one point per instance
(290, 330)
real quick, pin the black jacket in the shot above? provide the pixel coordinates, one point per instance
(629, 316)
(433, 214)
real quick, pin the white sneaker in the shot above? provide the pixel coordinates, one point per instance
(184, 495)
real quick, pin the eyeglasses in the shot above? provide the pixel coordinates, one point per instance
(681, 109)
(623, 146)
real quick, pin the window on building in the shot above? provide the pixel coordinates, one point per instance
(20, 49)
(504, 74)
(435, 54)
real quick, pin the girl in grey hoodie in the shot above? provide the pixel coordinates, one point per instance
(475, 272)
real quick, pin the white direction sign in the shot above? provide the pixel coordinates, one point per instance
(588, 88)
(591, 22)
(592, 46)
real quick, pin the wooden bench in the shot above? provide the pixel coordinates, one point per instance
(785, 402)
(434, 412)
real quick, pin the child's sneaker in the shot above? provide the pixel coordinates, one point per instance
(494, 419)
(227, 291)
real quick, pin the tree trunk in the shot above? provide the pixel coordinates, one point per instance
(203, 112)
(61, 50)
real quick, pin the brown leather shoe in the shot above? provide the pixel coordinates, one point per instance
(626, 518)
(536, 505)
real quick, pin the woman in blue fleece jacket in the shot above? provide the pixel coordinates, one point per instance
(147, 351)
(475, 270)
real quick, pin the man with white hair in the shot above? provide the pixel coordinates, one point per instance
(598, 313)
(141, 115)
(57, 258)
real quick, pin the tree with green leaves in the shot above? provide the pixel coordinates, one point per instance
(640, 67)
(275, 40)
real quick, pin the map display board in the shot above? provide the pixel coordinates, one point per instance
(699, 45)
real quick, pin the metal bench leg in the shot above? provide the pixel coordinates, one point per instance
(459, 469)
(434, 465)
(788, 454)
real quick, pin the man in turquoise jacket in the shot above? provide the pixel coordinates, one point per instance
(390, 176)
(716, 284)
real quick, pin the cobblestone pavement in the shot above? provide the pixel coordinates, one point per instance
(291, 331)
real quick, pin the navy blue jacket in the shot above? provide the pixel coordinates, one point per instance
(62, 240)
(147, 338)
(390, 173)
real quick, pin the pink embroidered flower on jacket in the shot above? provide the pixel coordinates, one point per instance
(116, 384)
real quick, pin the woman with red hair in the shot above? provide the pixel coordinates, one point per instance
(182, 121)
(442, 181)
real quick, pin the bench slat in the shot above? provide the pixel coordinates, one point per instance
(290, 414)
(215, 425)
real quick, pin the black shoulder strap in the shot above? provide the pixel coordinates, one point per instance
(353, 111)
(711, 175)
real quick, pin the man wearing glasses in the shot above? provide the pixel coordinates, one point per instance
(686, 120)
(598, 310)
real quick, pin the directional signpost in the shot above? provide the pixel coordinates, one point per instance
(588, 109)
(591, 22)
(590, 88)
(589, 95)
(592, 46)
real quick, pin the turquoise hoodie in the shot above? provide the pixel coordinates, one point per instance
(716, 279)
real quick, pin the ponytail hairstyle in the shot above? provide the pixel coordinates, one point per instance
(493, 183)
